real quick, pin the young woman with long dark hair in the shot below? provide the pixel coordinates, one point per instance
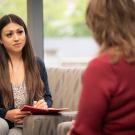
(23, 77)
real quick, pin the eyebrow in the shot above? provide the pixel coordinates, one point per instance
(13, 30)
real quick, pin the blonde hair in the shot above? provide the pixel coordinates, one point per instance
(113, 25)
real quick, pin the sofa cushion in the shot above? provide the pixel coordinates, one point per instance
(65, 86)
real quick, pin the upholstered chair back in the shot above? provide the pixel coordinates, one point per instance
(65, 86)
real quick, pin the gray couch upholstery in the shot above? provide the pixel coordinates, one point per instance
(64, 127)
(65, 85)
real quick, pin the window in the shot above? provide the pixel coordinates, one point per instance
(18, 7)
(67, 40)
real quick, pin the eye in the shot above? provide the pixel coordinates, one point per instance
(9, 35)
(20, 32)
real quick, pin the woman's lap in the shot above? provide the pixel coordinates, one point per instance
(4, 128)
(15, 131)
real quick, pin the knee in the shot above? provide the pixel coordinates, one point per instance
(4, 128)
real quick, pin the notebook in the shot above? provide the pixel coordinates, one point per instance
(34, 110)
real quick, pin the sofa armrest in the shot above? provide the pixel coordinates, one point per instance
(71, 114)
(45, 124)
(63, 127)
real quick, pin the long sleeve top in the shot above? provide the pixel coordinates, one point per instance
(47, 95)
(107, 102)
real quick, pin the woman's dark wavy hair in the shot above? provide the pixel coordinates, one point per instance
(113, 25)
(33, 81)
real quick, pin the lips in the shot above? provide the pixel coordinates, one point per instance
(17, 44)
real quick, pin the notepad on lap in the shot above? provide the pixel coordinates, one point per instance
(34, 110)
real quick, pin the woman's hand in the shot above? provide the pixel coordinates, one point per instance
(40, 104)
(16, 116)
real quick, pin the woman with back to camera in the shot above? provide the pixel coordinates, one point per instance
(107, 102)
(23, 77)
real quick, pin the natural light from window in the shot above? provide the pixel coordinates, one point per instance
(67, 40)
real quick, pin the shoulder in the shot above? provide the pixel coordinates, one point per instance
(105, 63)
(101, 74)
(39, 61)
(41, 65)
(101, 62)
(101, 67)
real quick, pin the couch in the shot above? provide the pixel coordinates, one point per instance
(65, 86)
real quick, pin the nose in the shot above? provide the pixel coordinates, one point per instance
(16, 37)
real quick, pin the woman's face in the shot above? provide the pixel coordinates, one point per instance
(13, 38)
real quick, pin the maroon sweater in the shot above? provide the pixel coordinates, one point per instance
(107, 102)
